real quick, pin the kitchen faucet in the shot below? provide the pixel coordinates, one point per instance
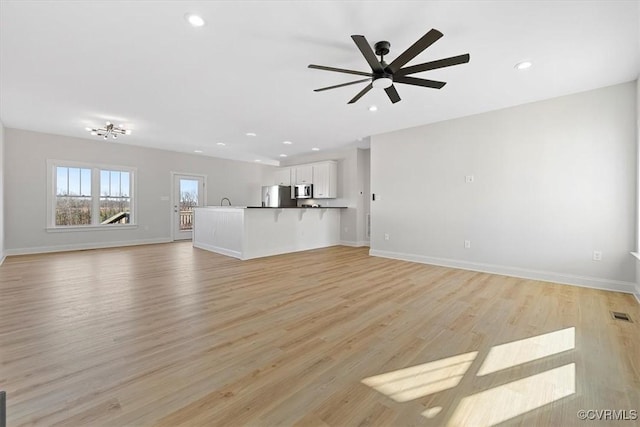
(223, 199)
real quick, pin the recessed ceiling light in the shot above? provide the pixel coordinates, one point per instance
(523, 65)
(283, 155)
(373, 108)
(194, 20)
(250, 134)
(287, 142)
(258, 160)
(222, 144)
(197, 151)
(315, 149)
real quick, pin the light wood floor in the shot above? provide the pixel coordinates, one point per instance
(170, 335)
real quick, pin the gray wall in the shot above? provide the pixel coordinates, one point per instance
(363, 193)
(25, 188)
(2, 246)
(637, 248)
(554, 181)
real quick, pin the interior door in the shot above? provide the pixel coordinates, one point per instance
(188, 193)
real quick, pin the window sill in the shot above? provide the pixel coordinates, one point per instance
(90, 228)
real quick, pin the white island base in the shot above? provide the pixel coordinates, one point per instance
(247, 233)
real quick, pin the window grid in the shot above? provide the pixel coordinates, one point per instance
(73, 208)
(91, 196)
(115, 205)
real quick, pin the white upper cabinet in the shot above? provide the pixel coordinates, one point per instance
(325, 180)
(282, 176)
(323, 176)
(303, 174)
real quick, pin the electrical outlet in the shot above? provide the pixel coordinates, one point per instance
(597, 255)
(468, 179)
(386, 236)
(467, 244)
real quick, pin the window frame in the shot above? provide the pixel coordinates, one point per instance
(52, 166)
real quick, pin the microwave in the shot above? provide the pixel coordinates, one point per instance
(303, 191)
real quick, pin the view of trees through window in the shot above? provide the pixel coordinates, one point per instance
(115, 200)
(73, 196)
(188, 200)
(75, 201)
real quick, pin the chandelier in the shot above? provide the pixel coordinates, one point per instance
(109, 129)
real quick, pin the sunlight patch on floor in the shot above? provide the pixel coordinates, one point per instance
(417, 381)
(496, 404)
(432, 412)
(504, 402)
(526, 350)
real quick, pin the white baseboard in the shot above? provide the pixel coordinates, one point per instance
(354, 244)
(83, 246)
(2, 257)
(218, 250)
(545, 276)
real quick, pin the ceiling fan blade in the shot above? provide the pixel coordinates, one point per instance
(340, 70)
(419, 82)
(432, 65)
(424, 42)
(392, 93)
(368, 53)
(361, 93)
(343, 84)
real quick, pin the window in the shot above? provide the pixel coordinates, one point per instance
(115, 197)
(73, 196)
(90, 195)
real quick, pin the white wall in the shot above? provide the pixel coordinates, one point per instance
(25, 188)
(351, 189)
(554, 181)
(2, 246)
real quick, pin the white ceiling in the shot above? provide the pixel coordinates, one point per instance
(66, 65)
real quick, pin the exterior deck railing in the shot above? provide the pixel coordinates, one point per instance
(186, 218)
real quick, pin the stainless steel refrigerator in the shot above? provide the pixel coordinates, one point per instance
(277, 196)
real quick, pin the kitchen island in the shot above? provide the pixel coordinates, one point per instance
(253, 232)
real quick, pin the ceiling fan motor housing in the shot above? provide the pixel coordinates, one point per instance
(382, 48)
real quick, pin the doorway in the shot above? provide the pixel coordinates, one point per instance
(188, 193)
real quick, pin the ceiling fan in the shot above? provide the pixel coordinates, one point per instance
(384, 75)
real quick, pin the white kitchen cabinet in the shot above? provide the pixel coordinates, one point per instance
(325, 176)
(303, 174)
(282, 176)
